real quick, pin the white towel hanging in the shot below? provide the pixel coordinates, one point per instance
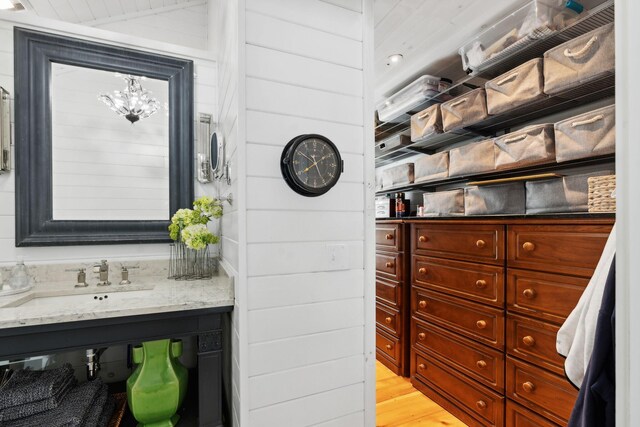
(575, 338)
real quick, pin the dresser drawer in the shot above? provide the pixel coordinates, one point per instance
(387, 345)
(389, 265)
(467, 242)
(475, 321)
(518, 416)
(473, 359)
(535, 342)
(389, 237)
(547, 394)
(478, 401)
(482, 283)
(566, 249)
(546, 296)
(389, 292)
(388, 319)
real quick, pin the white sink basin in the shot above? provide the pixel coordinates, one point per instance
(79, 300)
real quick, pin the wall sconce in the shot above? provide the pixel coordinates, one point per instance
(5, 131)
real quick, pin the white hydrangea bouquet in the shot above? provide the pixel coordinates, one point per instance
(190, 258)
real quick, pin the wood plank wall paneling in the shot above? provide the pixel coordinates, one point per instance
(206, 101)
(188, 26)
(305, 310)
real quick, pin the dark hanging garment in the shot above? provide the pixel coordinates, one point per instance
(596, 403)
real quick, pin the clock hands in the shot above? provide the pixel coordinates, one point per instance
(315, 162)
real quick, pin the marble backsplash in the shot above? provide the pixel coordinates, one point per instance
(60, 273)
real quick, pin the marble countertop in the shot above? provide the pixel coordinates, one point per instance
(149, 294)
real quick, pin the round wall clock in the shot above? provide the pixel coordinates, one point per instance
(311, 164)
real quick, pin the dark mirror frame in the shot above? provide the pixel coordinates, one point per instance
(33, 54)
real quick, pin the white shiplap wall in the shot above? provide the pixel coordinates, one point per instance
(302, 318)
(205, 101)
(182, 24)
(225, 31)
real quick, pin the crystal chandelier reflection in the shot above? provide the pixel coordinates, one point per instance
(134, 102)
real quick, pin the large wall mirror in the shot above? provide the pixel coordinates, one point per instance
(103, 141)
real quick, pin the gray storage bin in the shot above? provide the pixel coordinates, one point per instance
(530, 145)
(426, 122)
(581, 60)
(397, 175)
(566, 194)
(519, 86)
(472, 158)
(464, 110)
(444, 203)
(587, 135)
(500, 199)
(435, 166)
(379, 180)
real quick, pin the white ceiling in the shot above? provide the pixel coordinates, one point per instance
(85, 11)
(428, 34)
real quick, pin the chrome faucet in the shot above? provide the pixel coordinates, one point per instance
(103, 273)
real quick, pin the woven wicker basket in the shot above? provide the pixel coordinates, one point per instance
(121, 407)
(601, 197)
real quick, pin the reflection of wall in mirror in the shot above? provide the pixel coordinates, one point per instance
(104, 167)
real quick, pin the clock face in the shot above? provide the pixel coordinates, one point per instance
(311, 164)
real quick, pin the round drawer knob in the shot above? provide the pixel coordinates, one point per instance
(389, 236)
(388, 319)
(481, 364)
(528, 386)
(422, 270)
(529, 293)
(528, 246)
(389, 264)
(422, 336)
(422, 367)
(481, 244)
(481, 324)
(389, 346)
(529, 341)
(481, 284)
(422, 303)
(422, 239)
(481, 404)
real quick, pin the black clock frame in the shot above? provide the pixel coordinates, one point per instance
(288, 173)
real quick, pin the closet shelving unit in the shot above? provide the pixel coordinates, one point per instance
(597, 90)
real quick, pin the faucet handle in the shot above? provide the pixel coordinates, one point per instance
(125, 276)
(82, 279)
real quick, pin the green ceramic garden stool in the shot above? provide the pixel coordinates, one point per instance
(157, 387)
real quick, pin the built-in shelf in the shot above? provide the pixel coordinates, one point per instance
(502, 173)
(599, 89)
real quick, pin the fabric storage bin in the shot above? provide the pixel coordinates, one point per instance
(475, 157)
(464, 110)
(519, 86)
(426, 123)
(444, 203)
(566, 194)
(581, 60)
(390, 144)
(586, 135)
(419, 94)
(428, 168)
(497, 199)
(530, 145)
(397, 175)
(379, 180)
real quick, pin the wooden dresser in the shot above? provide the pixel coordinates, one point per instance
(392, 295)
(487, 299)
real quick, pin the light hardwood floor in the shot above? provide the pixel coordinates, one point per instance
(398, 404)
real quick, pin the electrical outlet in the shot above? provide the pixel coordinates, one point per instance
(337, 256)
